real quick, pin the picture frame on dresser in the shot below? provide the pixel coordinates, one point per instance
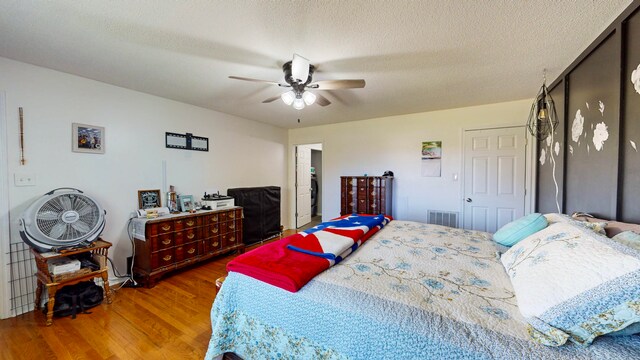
(186, 203)
(149, 199)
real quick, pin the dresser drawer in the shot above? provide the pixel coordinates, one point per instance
(185, 236)
(161, 241)
(159, 228)
(187, 251)
(231, 226)
(222, 216)
(211, 219)
(223, 227)
(229, 240)
(163, 258)
(213, 244)
(212, 230)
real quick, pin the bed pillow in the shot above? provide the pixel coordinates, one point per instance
(628, 238)
(613, 227)
(572, 284)
(517, 230)
(596, 226)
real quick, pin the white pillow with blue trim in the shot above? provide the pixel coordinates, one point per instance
(573, 284)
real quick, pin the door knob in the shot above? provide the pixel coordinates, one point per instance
(468, 200)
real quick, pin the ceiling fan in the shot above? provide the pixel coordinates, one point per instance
(298, 75)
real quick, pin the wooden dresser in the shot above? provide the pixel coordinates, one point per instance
(175, 241)
(366, 195)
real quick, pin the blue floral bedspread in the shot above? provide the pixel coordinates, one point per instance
(413, 291)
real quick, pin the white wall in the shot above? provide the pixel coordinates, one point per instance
(242, 152)
(394, 143)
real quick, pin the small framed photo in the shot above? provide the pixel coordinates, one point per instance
(186, 203)
(87, 138)
(149, 199)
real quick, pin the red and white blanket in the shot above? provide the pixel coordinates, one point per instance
(279, 265)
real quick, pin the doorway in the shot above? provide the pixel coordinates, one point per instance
(308, 185)
(4, 213)
(494, 177)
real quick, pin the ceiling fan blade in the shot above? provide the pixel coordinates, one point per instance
(299, 68)
(321, 100)
(271, 99)
(254, 80)
(337, 84)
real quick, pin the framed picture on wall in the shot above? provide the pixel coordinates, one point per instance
(87, 138)
(149, 199)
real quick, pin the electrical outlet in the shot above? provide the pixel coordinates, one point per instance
(24, 179)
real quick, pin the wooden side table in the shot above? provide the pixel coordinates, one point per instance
(54, 283)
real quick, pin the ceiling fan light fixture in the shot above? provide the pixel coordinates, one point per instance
(288, 97)
(309, 98)
(299, 68)
(298, 104)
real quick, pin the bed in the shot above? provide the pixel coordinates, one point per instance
(412, 291)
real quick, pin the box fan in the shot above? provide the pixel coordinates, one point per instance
(62, 218)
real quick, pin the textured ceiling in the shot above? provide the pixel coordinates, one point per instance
(414, 55)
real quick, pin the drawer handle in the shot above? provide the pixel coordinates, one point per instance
(191, 251)
(232, 226)
(351, 192)
(166, 227)
(190, 223)
(166, 242)
(215, 243)
(232, 215)
(214, 218)
(214, 230)
(166, 258)
(362, 201)
(232, 239)
(191, 236)
(361, 189)
(179, 221)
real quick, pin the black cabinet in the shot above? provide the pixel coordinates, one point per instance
(261, 207)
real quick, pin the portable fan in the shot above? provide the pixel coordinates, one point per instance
(62, 218)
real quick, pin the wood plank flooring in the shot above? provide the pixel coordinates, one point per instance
(170, 321)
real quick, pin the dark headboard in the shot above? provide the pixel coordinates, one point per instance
(600, 171)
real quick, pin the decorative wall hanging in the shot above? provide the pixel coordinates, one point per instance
(542, 117)
(635, 79)
(22, 160)
(186, 141)
(88, 138)
(431, 158)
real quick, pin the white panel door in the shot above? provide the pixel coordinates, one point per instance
(303, 185)
(494, 177)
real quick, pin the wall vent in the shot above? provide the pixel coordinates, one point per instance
(445, 218)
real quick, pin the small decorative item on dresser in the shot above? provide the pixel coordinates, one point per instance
(186, 203)
(149, 199)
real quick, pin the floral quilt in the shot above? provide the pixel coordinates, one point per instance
(413, 291)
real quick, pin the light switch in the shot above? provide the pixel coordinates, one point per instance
(24, 179)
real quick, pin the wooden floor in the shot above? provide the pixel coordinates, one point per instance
(170, 321)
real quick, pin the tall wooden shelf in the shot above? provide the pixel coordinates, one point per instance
(366, 195)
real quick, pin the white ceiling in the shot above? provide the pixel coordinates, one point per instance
(414, 55)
